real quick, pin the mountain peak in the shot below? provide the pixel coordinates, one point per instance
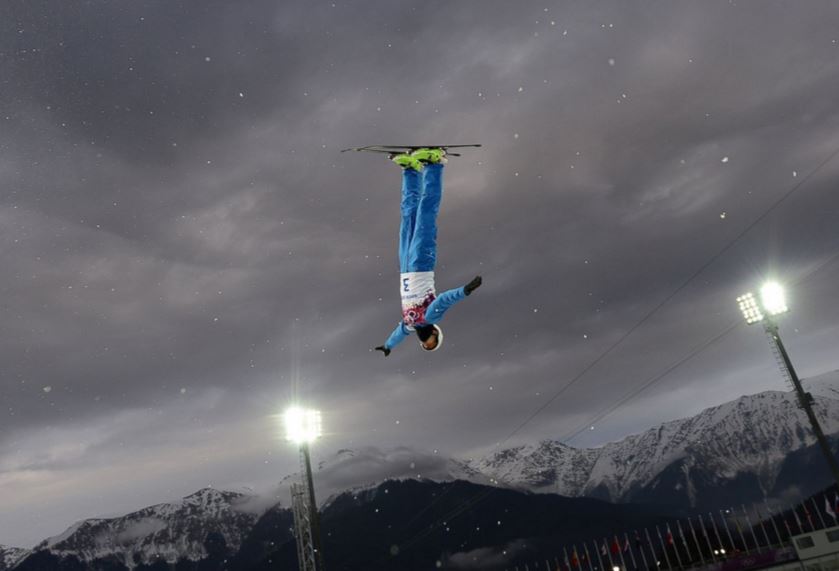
(747, 439)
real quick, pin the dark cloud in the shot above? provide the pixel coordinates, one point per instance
(184, 248)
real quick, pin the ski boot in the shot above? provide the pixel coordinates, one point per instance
(407, 161)
(430, 156)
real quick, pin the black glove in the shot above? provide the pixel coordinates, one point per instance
(383, 349)
(473, 285)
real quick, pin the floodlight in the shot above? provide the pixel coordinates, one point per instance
(750, 308)
(772, 298)
(302, 426)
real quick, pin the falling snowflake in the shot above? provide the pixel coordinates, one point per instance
(724, 160)
(47, 389)
(612, 61)
(722, 215)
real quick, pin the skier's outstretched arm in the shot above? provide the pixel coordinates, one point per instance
(399, 334)
(447, 299)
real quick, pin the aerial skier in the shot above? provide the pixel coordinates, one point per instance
(422, 308)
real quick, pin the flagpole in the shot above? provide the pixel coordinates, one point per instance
(751, 527)
(608, 553)
(620, 552)
(786, 525)
(762, 525)
(809, 517)
(772, 519)
(696, 541)
(664, 549)
(599, 559)
(797, 521)
(831, 510)
(740, 531)
(717, 533)
(676, 547)
(728, 532)
(565, 556)
(588, 556)
(818, 511)
(626, 546)
(707, 539)
(640, 546)
(684, 543)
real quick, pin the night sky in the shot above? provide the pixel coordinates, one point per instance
(184, 250)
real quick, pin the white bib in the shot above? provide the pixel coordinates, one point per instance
(417, 291)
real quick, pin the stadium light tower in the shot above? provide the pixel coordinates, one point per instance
(770, 304)
(303, 427)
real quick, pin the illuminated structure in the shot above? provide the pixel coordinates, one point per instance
(763, 310)
(302, 428)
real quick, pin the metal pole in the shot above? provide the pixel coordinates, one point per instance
(772, 519)
(663, 548)
(804, 398)
(751, 528)
(728, 532)
(313, 507)
(717, 533)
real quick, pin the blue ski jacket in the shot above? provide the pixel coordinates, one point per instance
(433, 314)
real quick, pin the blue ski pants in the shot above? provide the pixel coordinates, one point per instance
(421, 195)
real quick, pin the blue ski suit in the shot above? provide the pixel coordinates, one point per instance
(421, 195)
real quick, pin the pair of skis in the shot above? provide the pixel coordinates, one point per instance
(394, 150)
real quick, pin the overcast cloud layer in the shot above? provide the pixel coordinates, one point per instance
(184, 250)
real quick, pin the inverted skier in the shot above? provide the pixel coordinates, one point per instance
(422, 309)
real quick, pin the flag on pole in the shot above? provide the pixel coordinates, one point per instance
(616, 548)
(575, 559)
(599, 558)
(809, 516)
(829, 509)
(797, 520)
(663, 548)
(676, 548)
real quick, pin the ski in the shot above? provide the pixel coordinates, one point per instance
(399, 149)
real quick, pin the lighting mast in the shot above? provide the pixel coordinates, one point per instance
(772, 303)
(302, 428)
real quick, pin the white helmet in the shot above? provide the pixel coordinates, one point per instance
(439, 339)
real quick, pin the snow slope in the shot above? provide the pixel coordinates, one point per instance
(9, 556)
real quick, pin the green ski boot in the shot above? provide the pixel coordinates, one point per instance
(408, 162)
(430, 156)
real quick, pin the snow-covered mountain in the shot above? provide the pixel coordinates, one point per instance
(748, 443)
(184, 530)
(9, 556)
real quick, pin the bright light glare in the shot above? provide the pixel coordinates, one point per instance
(302, 425)
(750, 308)
(773, 299)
